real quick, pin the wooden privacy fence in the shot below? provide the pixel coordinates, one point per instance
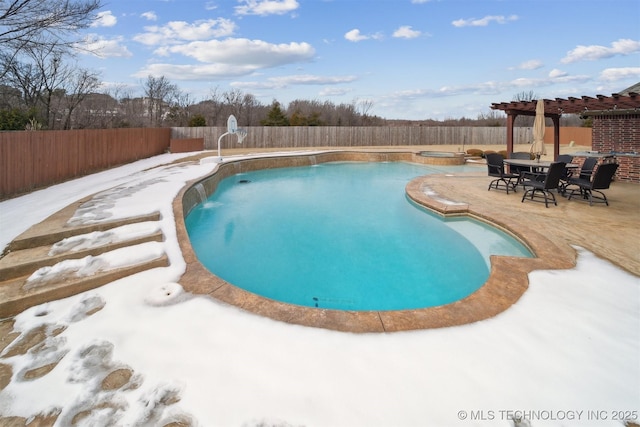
(580, 136)
(32, 159)
(344, 136)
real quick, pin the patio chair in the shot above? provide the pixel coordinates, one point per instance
(503, 180)
(588, 167)
(601, 181)
(538, 185)
(585, 173)
(566, 174)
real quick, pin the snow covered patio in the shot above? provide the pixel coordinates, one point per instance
(141, 351)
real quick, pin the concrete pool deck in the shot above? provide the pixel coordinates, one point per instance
(610, 232)
(548, 232)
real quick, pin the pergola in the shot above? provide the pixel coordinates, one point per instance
(617, 103)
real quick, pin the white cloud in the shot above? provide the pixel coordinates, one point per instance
(195, 72)
(308, 79)
(555, 73)
(103, 48)
(483, 22)
(420, 1)
(150, 16)
(175, 31)
(356, 36)
(406, 32)
(301, 79)
(257, 53)
(595, 52)
(266, 7)
(532, 64)
(614, 74)
(104, 19)
(334, 91)
(228, 58)
(490, 87)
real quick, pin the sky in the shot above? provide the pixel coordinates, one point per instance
(195, 359)
(406, 59)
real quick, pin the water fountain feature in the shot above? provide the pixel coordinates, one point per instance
(202, 194)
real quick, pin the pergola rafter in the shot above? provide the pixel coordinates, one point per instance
(617, 103)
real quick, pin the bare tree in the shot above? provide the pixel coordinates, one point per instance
(179, 111)
(77, 87)
(98, 111)
(251, 110)
(49, 84)
(159, 93)
(234, 100)
(363, 107)
(10, 97)
(525, 96)
(32, 24)
(216, 105)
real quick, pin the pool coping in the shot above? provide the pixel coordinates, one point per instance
(507, 282)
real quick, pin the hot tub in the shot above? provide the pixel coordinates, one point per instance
(443, 157)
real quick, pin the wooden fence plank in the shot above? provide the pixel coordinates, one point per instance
(33, 159)
(346, 136)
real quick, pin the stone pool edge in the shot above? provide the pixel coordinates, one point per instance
(508, 278)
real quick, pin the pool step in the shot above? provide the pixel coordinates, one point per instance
(26, 261)
(16, 297)
(55, 228)
(30, 252)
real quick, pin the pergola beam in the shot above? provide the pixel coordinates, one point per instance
(555, 108)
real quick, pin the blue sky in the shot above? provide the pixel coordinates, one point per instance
(410, 59)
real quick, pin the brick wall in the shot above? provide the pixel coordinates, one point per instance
(619, 133)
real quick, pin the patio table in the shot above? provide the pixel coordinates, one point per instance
(535, 165)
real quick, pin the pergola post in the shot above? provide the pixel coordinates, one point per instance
(511, 118)
(556, 136)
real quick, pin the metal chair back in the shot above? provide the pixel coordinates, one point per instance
(603, 176)
(495, 165)
(553, 175)
(587, 167)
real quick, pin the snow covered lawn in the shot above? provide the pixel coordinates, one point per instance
(567, 353)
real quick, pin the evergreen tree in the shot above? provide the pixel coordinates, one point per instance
(15, 119)
(275, 117)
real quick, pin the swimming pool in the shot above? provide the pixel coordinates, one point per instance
(341, 236)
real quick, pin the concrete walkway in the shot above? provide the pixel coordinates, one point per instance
(612, 232)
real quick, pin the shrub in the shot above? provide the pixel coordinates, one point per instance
(475, 152)
(503, 153)
(197, 121)
(15, 119)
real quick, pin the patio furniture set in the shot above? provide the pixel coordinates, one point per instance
(539, 178)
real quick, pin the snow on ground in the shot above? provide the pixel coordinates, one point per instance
(565, 354)
(99, 238)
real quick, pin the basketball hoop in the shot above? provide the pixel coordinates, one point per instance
(242, 134)
(232, 129)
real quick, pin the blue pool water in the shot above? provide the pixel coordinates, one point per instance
(342, 236)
